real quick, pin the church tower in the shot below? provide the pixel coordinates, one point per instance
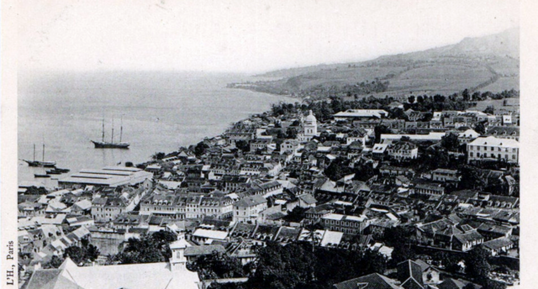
(178, 251)
(310, 126)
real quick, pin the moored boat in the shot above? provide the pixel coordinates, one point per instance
(41, 176)
(110, 145)
(42, 163)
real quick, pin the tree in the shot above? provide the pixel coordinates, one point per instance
(54, 263)
(450, 142)
(466, 95)
(148, 249)
(411, 99)
(296, 215)
(291, 132)
(158, 156)
(379, 130)
(469, 286)
(490, 109)
(217, 265)
(200, 148)
(77, 254)
(338, 169)
(402, 252)
(82, 254)
(312, 235)
(242, 145)
(477, 263)
(480, 128)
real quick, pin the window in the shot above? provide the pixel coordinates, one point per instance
(471, 154)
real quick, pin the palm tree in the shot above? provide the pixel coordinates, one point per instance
(312, 235)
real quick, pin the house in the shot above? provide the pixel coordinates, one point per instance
(444, 233)
(371, 281)
(194, 252)
(451, 283)
(306, 200)
(360, 114)
(248, 208)
(499, 246)
(429, 189)
(259, 144)
(445, 175)
(289, 146)
(343, 223)
(207, 236)
(82, 207)
(386, 170)
(410, 275)
(491, 231)
(430, 274)
(242, 250)
(506, 132)
(493, 149)
(467, 136)
(403, 150)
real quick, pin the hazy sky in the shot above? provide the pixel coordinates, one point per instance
(245, 36)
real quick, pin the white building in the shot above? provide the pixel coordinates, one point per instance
(310, 128)
(492, 148)
(248, 208)
(355, 114)
(108, 177)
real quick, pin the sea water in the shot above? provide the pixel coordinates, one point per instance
(159, 111)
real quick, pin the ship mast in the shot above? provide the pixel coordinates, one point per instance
(103, 131)
(34, 152)
(112, 139)
(43, 152)
(121, 128)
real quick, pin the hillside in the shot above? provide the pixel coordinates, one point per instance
(482, 63)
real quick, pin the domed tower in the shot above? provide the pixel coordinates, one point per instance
(310, 126)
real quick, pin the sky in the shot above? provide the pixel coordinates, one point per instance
(242, 36)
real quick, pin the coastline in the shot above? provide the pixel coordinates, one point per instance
(160, 113)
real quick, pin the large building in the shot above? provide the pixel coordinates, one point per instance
(163, 275)
(492, 148)
(248, 209)
(356, 114)
(344, 223)
(310, 128)
(106, 177)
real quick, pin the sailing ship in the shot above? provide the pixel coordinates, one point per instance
(43, 163)
(110, 145)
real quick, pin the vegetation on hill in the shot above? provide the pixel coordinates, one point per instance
(483, 63)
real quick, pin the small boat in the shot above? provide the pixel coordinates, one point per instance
(41, 176)
(57, 171)
(43, 163)
(110, 145)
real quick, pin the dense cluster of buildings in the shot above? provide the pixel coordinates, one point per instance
(246, 187)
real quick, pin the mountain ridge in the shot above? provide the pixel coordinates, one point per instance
(488, 62)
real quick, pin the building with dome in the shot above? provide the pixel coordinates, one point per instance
(310, 128)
